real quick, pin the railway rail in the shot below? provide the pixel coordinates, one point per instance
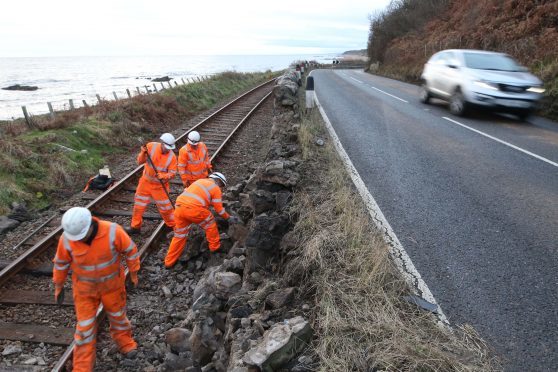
(25, 281)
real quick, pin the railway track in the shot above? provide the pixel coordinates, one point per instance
(28, 312)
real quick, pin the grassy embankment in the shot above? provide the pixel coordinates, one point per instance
(361, 321)
(404, 36)
(56, 160)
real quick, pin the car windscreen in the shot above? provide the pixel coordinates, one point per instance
(482, 61)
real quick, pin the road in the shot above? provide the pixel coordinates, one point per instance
(474, 201)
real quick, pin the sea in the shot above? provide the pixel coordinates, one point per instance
(60, 79)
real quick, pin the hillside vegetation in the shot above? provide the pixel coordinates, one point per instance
(408, 32)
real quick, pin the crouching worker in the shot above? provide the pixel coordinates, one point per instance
(93, 248)
(192, 206)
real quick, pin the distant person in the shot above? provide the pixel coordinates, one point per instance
(192, 206)
(193, 160)
(160, 168)
(94, 250)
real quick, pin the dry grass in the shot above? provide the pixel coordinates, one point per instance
(362, 322)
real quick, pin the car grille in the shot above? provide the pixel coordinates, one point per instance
(512, 88)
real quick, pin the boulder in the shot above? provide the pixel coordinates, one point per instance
(238, 233)
(280, 298)
(283, 199)
(21, 87)
(226, 283)
(178, 339)
(262, 201)
(7, 224)
(175, 362)
(19, 212)
(263, 240)
(280, 344)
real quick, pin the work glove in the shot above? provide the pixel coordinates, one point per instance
(59, 294)
(165, 176)
(234, 219)
(134, 278)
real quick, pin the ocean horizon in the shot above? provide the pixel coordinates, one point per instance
(60, 79)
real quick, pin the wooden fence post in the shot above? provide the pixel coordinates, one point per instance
(115, 96)
(175, 83)
(51, 110)
(27, 117)
(71, 104)
(155, 86)
(162, 86)
(147, 89)
(182, 80)
(98, 98)
(128, 92)
(137, 88)
(199, 80)
(168, 82)
(84, 103)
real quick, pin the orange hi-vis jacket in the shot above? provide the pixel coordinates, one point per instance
(193, 162)
(202, 194)
(165, 164)
(97, 268)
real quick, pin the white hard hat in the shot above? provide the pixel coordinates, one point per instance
(193, 137)
(76, 222)
(218, 176)
(168, 140)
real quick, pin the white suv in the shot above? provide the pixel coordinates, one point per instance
(469, 78)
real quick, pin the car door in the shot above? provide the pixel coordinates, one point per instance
(436, 65)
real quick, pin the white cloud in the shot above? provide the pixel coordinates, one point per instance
(148, 27)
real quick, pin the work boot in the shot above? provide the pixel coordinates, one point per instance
(132, 231)
(131, 354)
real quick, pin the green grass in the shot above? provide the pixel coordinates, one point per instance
(55, 161)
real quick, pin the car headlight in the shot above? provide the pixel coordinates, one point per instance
(486, 85)
(539, 90)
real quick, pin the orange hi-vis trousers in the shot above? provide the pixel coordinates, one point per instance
(146, 191)
(185, 215)
(114, 304)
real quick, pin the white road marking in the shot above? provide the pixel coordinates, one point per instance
(503, 142)
(356, 79)
(397, 252)
(391, 95)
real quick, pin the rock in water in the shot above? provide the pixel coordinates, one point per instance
(21, 87)
(280, 344)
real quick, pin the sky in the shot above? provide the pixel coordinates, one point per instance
(33, 28)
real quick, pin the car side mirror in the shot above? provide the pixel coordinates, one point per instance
(523, 69)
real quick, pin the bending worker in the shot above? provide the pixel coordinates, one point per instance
(192, 206)
(159, 169)
(93, 248)
(193, 160)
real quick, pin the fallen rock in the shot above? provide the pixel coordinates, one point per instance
(262, 201)
(280, 298)
(19, 212)
(12, 349)
(7, 224)
(178, 339)
(226, 283)
(283, 199)
(280, 344)
(320, 142)
(175, 362)
(21, 87)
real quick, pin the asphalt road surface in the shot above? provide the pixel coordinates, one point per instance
(474, 201)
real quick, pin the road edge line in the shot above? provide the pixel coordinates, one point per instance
(402, 260)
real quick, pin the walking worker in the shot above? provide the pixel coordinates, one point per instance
(193, 160)
(159, 169)
(93, 249)
(192, 206)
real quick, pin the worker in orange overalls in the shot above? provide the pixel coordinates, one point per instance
(150, 186)
(192, 206)
(193, 160)
(93, 248)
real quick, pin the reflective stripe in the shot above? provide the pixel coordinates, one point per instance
(164, 208)
(141, 204)
(133, 257)
(182, 165)
(180, 236)
(85, 333)
(87, 322)
(222, 212)
(112, 236)
(209, 218)
(67, 244)
(65, 267)
(143, 197)
(169, 159)
(97, 280)
(198, 198)
(153, 149)
(216, 200)
(166, 201)
(130, 247)
(85, 341)
(57, 260)
(116, 314)
(119, 321)
(206, 190)
(172, 171)
(182, 229)
(119, 328)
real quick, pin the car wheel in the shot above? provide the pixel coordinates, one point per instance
(523, 115)
(457, 105)
(424, 94)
